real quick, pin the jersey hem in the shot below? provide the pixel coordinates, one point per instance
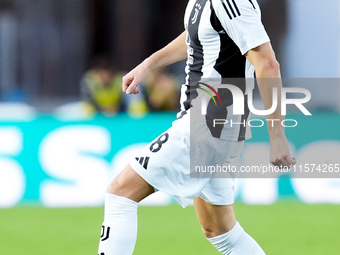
(183, 201)
(255, 44)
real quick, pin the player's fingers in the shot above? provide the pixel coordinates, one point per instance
(136, 91)
(276, 162)
(285, 162)
(291, 161)
(132, 84)
(131, 89)
(126, 82)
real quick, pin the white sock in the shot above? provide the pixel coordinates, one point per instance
(119, 230)
(236, 242)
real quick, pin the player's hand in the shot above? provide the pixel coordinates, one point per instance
(280, 153)
(133, 78)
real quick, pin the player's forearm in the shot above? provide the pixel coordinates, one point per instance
(269, 77)
(172, 53)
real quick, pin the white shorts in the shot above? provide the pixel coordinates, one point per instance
(165, 163)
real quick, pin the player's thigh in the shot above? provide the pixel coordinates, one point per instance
(130, 185)
(215, 219)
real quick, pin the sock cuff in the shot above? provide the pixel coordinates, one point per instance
(119, 200)
(236, 241)
(230, 237)
(117, 205)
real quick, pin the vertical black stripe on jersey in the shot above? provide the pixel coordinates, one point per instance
(244, 118)
(218, 112)
(230, 62)
(195, 69)
(191, 93)
(231, 65)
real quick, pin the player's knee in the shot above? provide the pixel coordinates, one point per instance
(130, 185)
(209, 232)
(213, 229)
(116, 187)
(121, 183)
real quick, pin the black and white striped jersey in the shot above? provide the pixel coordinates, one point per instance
(219, 33)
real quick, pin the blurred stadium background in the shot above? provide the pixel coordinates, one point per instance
(63, 136)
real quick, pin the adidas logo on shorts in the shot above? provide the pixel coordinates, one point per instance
(143, 161)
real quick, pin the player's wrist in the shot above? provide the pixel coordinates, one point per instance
(276, 132)
(155, 61)
(148, 64)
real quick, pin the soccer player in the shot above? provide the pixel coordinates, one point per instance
(222, 39)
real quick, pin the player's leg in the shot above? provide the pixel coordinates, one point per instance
(156, 166)
(214, 219)
(131, 185)
(223, 231)
(119, 230)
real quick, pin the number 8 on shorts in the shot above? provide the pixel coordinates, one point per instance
(156, 146)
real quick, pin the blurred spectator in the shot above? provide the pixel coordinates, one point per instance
(162, 91)
(101, 89)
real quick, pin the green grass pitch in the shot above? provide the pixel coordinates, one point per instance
(283, 228)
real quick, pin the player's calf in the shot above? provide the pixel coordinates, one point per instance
(119, 229)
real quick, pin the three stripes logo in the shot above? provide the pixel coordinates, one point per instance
(143, 161)
(211, 95)
(231, 8)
